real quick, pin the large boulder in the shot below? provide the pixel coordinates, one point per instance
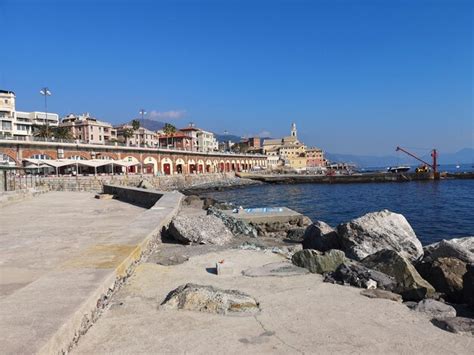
(410, 284)
(357, 275)
(318, 262)
(468, 282)
(193, 201)
(446, 276)
(376, 231)
(208, 299)
(435, 309)
(199, 230)
(320, 236)
(460, 248)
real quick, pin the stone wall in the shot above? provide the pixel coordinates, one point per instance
(95, 183)
(134, 195)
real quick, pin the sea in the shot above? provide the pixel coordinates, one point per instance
(435, 209)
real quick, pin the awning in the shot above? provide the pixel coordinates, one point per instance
(93, 163)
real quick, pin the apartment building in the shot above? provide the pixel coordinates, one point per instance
(141, 137)
(19, 124)
(177, 140)
(89, 129)
(206, 142)
(315, 158)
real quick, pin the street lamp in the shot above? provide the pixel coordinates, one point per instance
(45, 92)
(142, 112)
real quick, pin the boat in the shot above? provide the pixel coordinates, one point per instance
(398, 169)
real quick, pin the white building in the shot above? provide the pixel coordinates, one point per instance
(19, 124)
(206, 142)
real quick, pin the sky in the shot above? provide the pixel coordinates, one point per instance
(357, 77)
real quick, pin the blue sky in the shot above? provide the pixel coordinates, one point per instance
(356, 76)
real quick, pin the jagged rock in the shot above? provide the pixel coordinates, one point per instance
(409, 283)
(461, 248)
(318, 262)
(193, 201)
(358, 275)
(378, 293)
(295, 235)
(236, 226)
(280, 269)
(458, 325)
(435, 309)
(376, 231)
(446, 276)
(145, 184)
(321, 236)
(208, 202)
(468, 282)
(199, 230)
(304, 221)
(208, 299)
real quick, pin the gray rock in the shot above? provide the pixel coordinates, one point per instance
(357, 275)
(279, 269)
(435, 309)
(378, 293)
(318, 262)
(409, 283)
(193, 201)
(145, 184)
(458, 325)
(295, 235)
(468, 282)
(208, 299)
(461, 248)
(236, 226)
(446, 276)
(199, 230)
(321, 236)
(376, 231)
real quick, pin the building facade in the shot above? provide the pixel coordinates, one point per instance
(177, 140)
(89, 129)
(206, 142)
(18, 124)
(315, 158)
(141, 137)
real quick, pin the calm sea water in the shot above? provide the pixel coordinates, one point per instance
(435, 209)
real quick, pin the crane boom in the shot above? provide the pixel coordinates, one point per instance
(434, 155)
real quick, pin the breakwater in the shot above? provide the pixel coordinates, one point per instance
(348, 179)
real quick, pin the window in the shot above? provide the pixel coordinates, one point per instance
(77, 157)
(41, 156)
(7, 126)
(100, 138)
(92, 137)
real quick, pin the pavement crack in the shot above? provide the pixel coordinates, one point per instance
(276, 335)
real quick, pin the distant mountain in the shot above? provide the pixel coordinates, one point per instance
(464, 156)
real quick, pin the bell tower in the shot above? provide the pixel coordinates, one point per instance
(293, 130)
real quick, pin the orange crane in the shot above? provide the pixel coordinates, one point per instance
(434, 155)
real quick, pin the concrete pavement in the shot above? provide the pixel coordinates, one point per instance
(61, 252)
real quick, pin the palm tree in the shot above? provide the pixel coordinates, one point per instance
(42, 131)
(127, 134)
(169, 129)
(135, 124)
(62, 133)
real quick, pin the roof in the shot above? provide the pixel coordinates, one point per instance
(190, 129)
(7, 92)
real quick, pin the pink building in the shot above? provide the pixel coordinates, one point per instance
(89, 129)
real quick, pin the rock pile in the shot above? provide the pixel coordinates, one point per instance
(236, 226)
(382, 249)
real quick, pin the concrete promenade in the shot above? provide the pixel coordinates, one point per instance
(61, 252)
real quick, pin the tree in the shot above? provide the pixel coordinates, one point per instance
(127, 134)
(62, 133)
(169, 130)
(42, 131)
(135, 124)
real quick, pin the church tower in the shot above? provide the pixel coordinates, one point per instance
(293, 130)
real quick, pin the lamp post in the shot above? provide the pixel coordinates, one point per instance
(45, 92)
(142, 112)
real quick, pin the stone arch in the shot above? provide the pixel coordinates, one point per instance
(180, 166)
(191, 166)
(209, 166)
(166, 166)
(200, 166)
(8, 156)
(133, 159)
(74, 154)
(150, 165)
